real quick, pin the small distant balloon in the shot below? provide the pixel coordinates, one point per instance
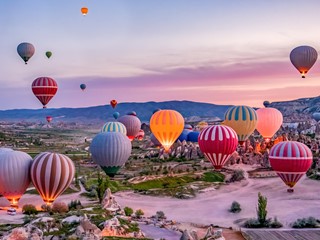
(48, 54)
(133, 113)
(25, 51)
(84, 11)
(116, 115)
(83, 86)
(113, 103)
(49, 119)
(266, 103)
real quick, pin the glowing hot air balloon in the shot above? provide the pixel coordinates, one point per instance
(140, 135)
(303, 58)
(110, 150)
(113, 103)
(25, 51)
(132, 123)
(291, 160)
(49, 119)
(44, 88)
(48, 54)
(116, 115)
(243, 120)
(83, 86)
(84, 11)
(167, 125)
(51, 174)
(14, 174)
(114, 127)
(269, 122)
(217, 143)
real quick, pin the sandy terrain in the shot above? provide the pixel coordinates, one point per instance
(212, 207)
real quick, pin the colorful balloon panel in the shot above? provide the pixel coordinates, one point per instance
(51, 175)
(166, 125)
(290, 160)
(242, 119)
(303, 58)
(44, 88)
(269, 121)
(217, 143)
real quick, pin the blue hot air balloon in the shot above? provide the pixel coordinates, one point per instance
(83, 86)
(193, 136)
(116, 115)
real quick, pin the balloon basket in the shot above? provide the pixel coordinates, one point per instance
(290, 190)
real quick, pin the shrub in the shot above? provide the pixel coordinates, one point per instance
(128, 211)
(74, 205)
(45, 208)
(275, 223)
(252, 223)
(309, 222)
(160, 215)
(139, 213)
(29, 209)
(262, 209)
(238, 175)
(235, 207)
(60, 207)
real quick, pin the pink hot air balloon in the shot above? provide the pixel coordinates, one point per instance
(217, 143)
(140, 135)
(269, 122)
(132, 124)
(291, 160)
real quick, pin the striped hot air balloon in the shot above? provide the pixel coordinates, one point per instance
(44, 88)
(114, 127)
(110, 150)
(243, 120)
(303, 58)
(217, 143)
(14, 174)
(291, 160)
(269, 122)
(51, 174)
(166, 125)
(132, 123)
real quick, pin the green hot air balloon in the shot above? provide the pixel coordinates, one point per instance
(110, 150)
(48, 54)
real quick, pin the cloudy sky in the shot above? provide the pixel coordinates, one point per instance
(216, 51)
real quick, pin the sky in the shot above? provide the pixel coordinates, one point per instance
(216, 51)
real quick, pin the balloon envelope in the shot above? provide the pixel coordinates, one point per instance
(114, 127)
(167, 125)
(113, 103)
(48, 54)
(184, 135)
(25, 51)
(84, 11)
(266, 103)
(110, 150)
(217, 143)
(140, 135)
(14, 174)
(49, 119)
(83, 86)
(290, 160)
(44, 88)
(303, 58)
(132, 123)
(193, 136)
(242, 119)
(188, 126)
(51, 175)
(316, 116)
(269, 121)
(116, 115)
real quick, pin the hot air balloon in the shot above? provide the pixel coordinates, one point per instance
(51, 175)
(184, 135)
(83, 86)
(269, 122)
(243, 120)
(316, 116)
(14, 174)
(132, 123)
(44, 88)
(113, 103)
(188, 126)
(167, 125)
(201, 125)
(154, 140)
(25, 51)
(114, 127)
(290, 160)
(133, 113)
(217, 143)
(266, 103)
(116, 115)
(84, 11)
(140, 135)
(303, 58)
(48, 54)
(49, 119)
(110, 150)
(193, 136)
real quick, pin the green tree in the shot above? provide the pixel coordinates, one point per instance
(139, 213)
(262, 209)
(103, 185)
(128, 211)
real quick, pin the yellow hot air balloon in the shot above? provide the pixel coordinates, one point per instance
(269, 122)
(242, 119)
(167, 125)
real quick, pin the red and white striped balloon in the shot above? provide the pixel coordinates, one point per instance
(44, 88)
(51, 174)
(218, 143)
(291, 160)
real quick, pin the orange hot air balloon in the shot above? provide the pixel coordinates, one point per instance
(113, 103)
(84, 11)
(167, 125)
(269, 122)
